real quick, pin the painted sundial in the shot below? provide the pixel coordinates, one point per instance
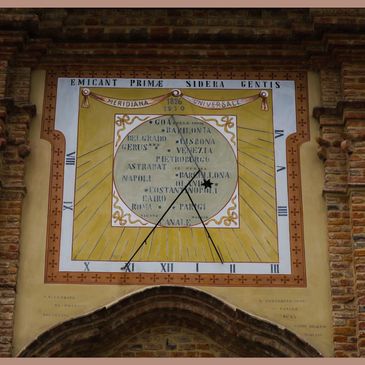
(176, 181)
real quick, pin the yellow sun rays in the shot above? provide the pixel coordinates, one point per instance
(94, 237)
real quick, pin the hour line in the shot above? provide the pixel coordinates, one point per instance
(210, 248)
(144, 248)
(253, 247)
(116, 245)
(81, 248)
(84, 163)
(97, 242)
(81, 186)
(259, 153)
(137, 240)
(271, 196)
(111, 256)
(257, 215)
(92, 168)
(257, 240)
(93, 188)
(98, 148)
(268, 242)
(150, 245)
(105, 247)
(241, 243)
(124, 246)
(259, 177)
(167, 243)
(220, 252)
(192, 240)
(205, 228)
(82, 210)
(180, 249)
(270, 217)
(132, 249)
(267, 157)
(255, 191)
(92, 216)
(233, 247)
(264, 140)
(170, 249)
(255, 145)
(263, 245)
(266, 173)
(124, 251)
(254, 158)
(241, 246)
(202, 250)
(245, 248)
(255, 130)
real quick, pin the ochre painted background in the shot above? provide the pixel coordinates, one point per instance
(39, 306)
(92, 241)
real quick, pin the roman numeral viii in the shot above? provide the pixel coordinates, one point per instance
(71, 158)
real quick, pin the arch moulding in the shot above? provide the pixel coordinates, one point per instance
(238, 333)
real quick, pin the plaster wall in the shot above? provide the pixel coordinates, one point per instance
(39, 306)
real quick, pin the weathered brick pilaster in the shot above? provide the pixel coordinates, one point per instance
(15, 116)
(3, 73)
(355, 138)
(339, 234)
(353, 81)
(358, 234)
(342, 147)
(330, 87)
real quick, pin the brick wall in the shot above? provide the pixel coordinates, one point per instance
(15, 116)
(170, 341)
(12, 191)
(342, 147)
(353, 81)
(3, 73)
(330, 87)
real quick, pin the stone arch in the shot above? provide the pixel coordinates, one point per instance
(157, 312)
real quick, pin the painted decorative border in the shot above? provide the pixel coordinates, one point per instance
(298, 276)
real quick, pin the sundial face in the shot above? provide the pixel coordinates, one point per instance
(176, 181)
(157, 159)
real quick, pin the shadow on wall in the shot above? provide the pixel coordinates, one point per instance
(168, 321)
